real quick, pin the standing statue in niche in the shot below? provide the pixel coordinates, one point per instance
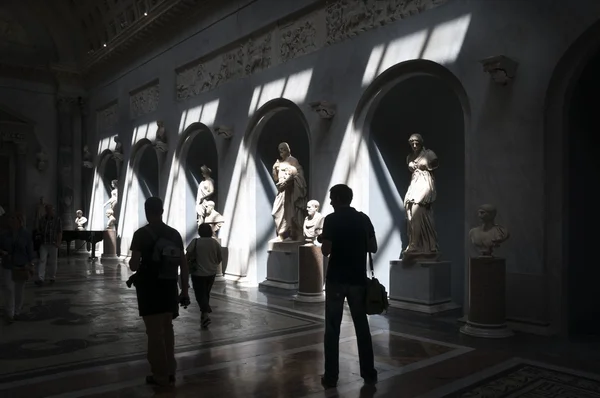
(313, 223)
(418, 202)
(88, 159)
(206, 191)
(114, 195)
(488, 235)
(80, 220)
(161, 137)
(118, 154)
(290, 203)
(213, 218)
(112, 221)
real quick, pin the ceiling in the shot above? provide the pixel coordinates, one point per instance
(79, 37)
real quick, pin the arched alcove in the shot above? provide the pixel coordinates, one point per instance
(276, 122)
(106, 172)
(425, 98)
(570, 125)
(146, 175)
(198, 149)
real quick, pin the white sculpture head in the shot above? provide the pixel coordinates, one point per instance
(113, 184)
(109, 213)
(210, 206)
(284, 150)
(416, 142)
(79, 213)
(206, 171)
(487, 213)
(312, 207)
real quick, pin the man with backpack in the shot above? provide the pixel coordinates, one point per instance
(347, 237)
(157, 254)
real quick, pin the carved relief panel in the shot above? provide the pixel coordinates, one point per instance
(107, 118)
(144, 101)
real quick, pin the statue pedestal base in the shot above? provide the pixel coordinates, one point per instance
(282, 265)
(310, 274)
(109, 241)
(487, 299)
(422, 286)
(220, 277)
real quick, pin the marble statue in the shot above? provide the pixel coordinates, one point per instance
(213, 218)
(112, 221)
(206, 191)
(88, 159)
(161, 137)
(488, 235)
(289, 206)
(118, 154)
(313, 223)
(80, 220)
(42, 160)
(114, 195)
(421, 194)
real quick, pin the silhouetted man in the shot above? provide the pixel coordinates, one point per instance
(156, 255)
(347, 236)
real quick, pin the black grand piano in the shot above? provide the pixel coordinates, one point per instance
(91, 237)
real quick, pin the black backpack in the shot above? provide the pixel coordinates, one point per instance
(167, 255)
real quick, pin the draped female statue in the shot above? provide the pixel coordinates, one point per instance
(421, 194)
(206, 191)
(289, 207)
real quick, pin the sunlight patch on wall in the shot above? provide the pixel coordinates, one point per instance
(205, 113)
(104, 144)
(294, 88)
(447, 39)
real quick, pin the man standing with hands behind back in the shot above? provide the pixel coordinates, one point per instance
(347, 237)
(51, 230)
(156, 254)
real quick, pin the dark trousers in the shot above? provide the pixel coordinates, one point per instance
(202, 286)
(334, 310)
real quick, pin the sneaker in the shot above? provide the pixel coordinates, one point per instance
(52, 281)
(370, 380)
(328, 383)
(205, 322)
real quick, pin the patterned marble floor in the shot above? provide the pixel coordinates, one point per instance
(82, 337)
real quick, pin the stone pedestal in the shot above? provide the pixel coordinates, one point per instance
(282, 265)
(487, 298)
(310, 274)
(109, 242)
(421, 286)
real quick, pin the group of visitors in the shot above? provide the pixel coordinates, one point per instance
(17, 256)
(161, 266)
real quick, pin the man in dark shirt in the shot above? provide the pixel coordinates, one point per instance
(158, 301)
(347, 236)
(51, 229)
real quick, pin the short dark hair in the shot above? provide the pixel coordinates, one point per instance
(154, 206)
(341, 193)
(205, 231)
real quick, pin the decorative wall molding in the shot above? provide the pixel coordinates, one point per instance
(334, 22)
(107, 117)
(144, 101)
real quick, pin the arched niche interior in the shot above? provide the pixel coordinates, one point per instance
(146, 177)
(106, 172)
(428, 106)
(277, 126)
(582, 169)
(201, 150)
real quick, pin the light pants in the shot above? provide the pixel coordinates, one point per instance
(12, 293)
(49, 256)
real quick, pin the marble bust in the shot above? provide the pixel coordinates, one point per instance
(161, 137)
(80, 220)
(418, 202)
(112, 221)
(313, 223)
(114, 195)
(488, 235)
(213, 218)
(206, 191)
(289, 206)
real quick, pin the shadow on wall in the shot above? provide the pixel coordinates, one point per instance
(428, 106)
(147, 175)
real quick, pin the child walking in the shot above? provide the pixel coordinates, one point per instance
(204, 255)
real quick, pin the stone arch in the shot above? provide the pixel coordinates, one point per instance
(394, 106)
(106, 171)
(196, 147)
(260, 141)
(560, 254)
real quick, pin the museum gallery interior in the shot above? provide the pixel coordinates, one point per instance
(463, 127)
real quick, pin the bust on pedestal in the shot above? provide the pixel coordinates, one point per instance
(288, 213)
(487, 279)
(216, 220)
(310, 258)
(419, 281)
(110, 237)
(80, 222)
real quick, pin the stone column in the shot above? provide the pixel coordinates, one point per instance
(67, 108)
(310, 274)
(487, 298)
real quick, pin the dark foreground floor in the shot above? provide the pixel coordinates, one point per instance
(82, 338)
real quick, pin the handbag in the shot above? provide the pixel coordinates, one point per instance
(376, 297)
(20, 274)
